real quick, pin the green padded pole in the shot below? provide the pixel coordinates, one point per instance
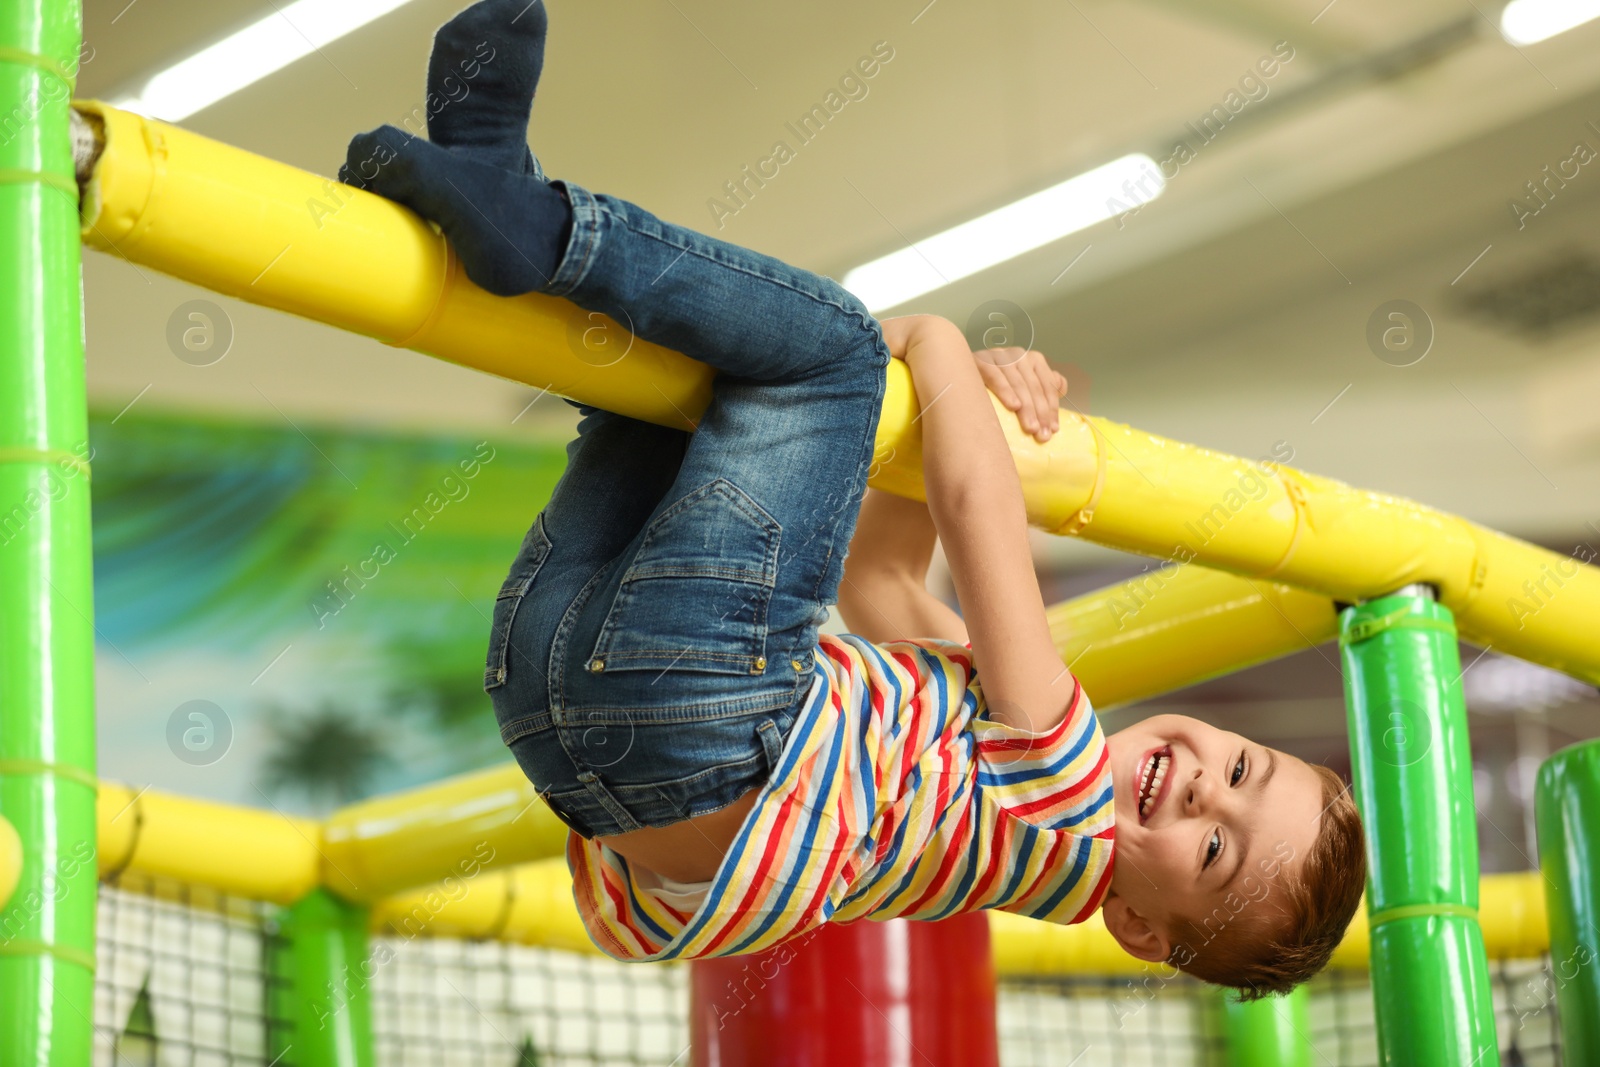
(320, 999)
(1271, 1032)
(1567, 807)
(1413, 785)
(47, 784)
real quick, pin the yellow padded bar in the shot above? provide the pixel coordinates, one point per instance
(262, 855)
(532, 905)
(246, 852)
(277, 236)
(448, 829)
(10, 861)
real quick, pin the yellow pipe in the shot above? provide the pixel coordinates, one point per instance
(10, 861)
(532, 905)
(488, 818)
(284, 238)
(1511, 907)
(1510, 911)
(278, 236)
(247, 852)
(267, 856)
(1177, 625)
(527, 905)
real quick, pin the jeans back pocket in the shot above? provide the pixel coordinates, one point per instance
(535, 549)
(695, 595)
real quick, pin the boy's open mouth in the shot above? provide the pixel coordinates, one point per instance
(1153, 781)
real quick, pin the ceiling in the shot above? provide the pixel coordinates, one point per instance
(1232, 311)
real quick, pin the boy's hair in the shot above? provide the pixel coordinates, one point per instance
(1265, 954)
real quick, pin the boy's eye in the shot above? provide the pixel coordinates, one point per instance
(1238, 770)
(1213, 850)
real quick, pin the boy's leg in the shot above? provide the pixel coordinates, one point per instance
(794, 410)
(618, 469)
(710, 616)
(675, 670)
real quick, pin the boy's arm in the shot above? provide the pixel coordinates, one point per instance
(975, 501)
(884, 596)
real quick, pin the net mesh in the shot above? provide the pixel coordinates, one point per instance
(181, 977)
(182, 982)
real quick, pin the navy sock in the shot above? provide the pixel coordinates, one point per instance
(475, 175)
(482, 75)
(509, 229)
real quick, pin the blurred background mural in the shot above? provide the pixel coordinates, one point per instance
(303, 610)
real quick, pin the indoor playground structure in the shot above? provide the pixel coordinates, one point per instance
(437, 926)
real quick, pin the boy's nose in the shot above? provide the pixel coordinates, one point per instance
(1199, 793)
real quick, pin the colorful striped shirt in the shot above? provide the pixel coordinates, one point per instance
(896, 795)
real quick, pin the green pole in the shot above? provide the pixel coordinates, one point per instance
(1413, 785)
(1567, 808)
(47, 783)
(1271, 1032)
(320, 995)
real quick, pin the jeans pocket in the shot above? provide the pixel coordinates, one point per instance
(535, 550)
(695, 596)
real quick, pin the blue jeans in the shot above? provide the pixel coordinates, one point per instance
(656, 633)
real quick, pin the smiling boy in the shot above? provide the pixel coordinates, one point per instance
(731, 777)
(1237, 863)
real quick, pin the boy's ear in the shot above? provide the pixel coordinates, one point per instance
(1137, 936)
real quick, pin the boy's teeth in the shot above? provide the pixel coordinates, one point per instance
(1158, 773)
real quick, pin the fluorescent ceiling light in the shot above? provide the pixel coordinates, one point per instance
(256, 51)
(1527, 21)
(1007, 232)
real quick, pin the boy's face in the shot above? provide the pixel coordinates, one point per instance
(1227, 817)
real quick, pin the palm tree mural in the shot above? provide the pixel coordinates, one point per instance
(322, 560)
(438, 685)
(328, 756)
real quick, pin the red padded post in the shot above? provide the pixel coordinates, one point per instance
(868, 994)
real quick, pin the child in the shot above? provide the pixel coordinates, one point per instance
(733, 779)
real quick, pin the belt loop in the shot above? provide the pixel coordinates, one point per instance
(597, 789)
(771, 742)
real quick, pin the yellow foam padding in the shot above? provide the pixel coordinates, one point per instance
(532, 905)
(489, 893)
(450, 829)
(10, 861)
(1175, 625)
(278, 236)
(247, 852)
(527, 905)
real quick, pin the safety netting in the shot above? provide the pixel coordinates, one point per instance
(185, 974)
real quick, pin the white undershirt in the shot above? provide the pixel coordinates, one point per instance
(682, 896)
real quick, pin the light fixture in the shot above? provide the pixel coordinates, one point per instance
(265, 46)
(1527, 21)
(1007, 232)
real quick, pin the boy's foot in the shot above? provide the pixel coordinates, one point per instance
(508, 229)
(482, 75)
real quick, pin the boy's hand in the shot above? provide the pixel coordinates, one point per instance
(1025, 382)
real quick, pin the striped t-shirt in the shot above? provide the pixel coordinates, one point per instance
(895, 796)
